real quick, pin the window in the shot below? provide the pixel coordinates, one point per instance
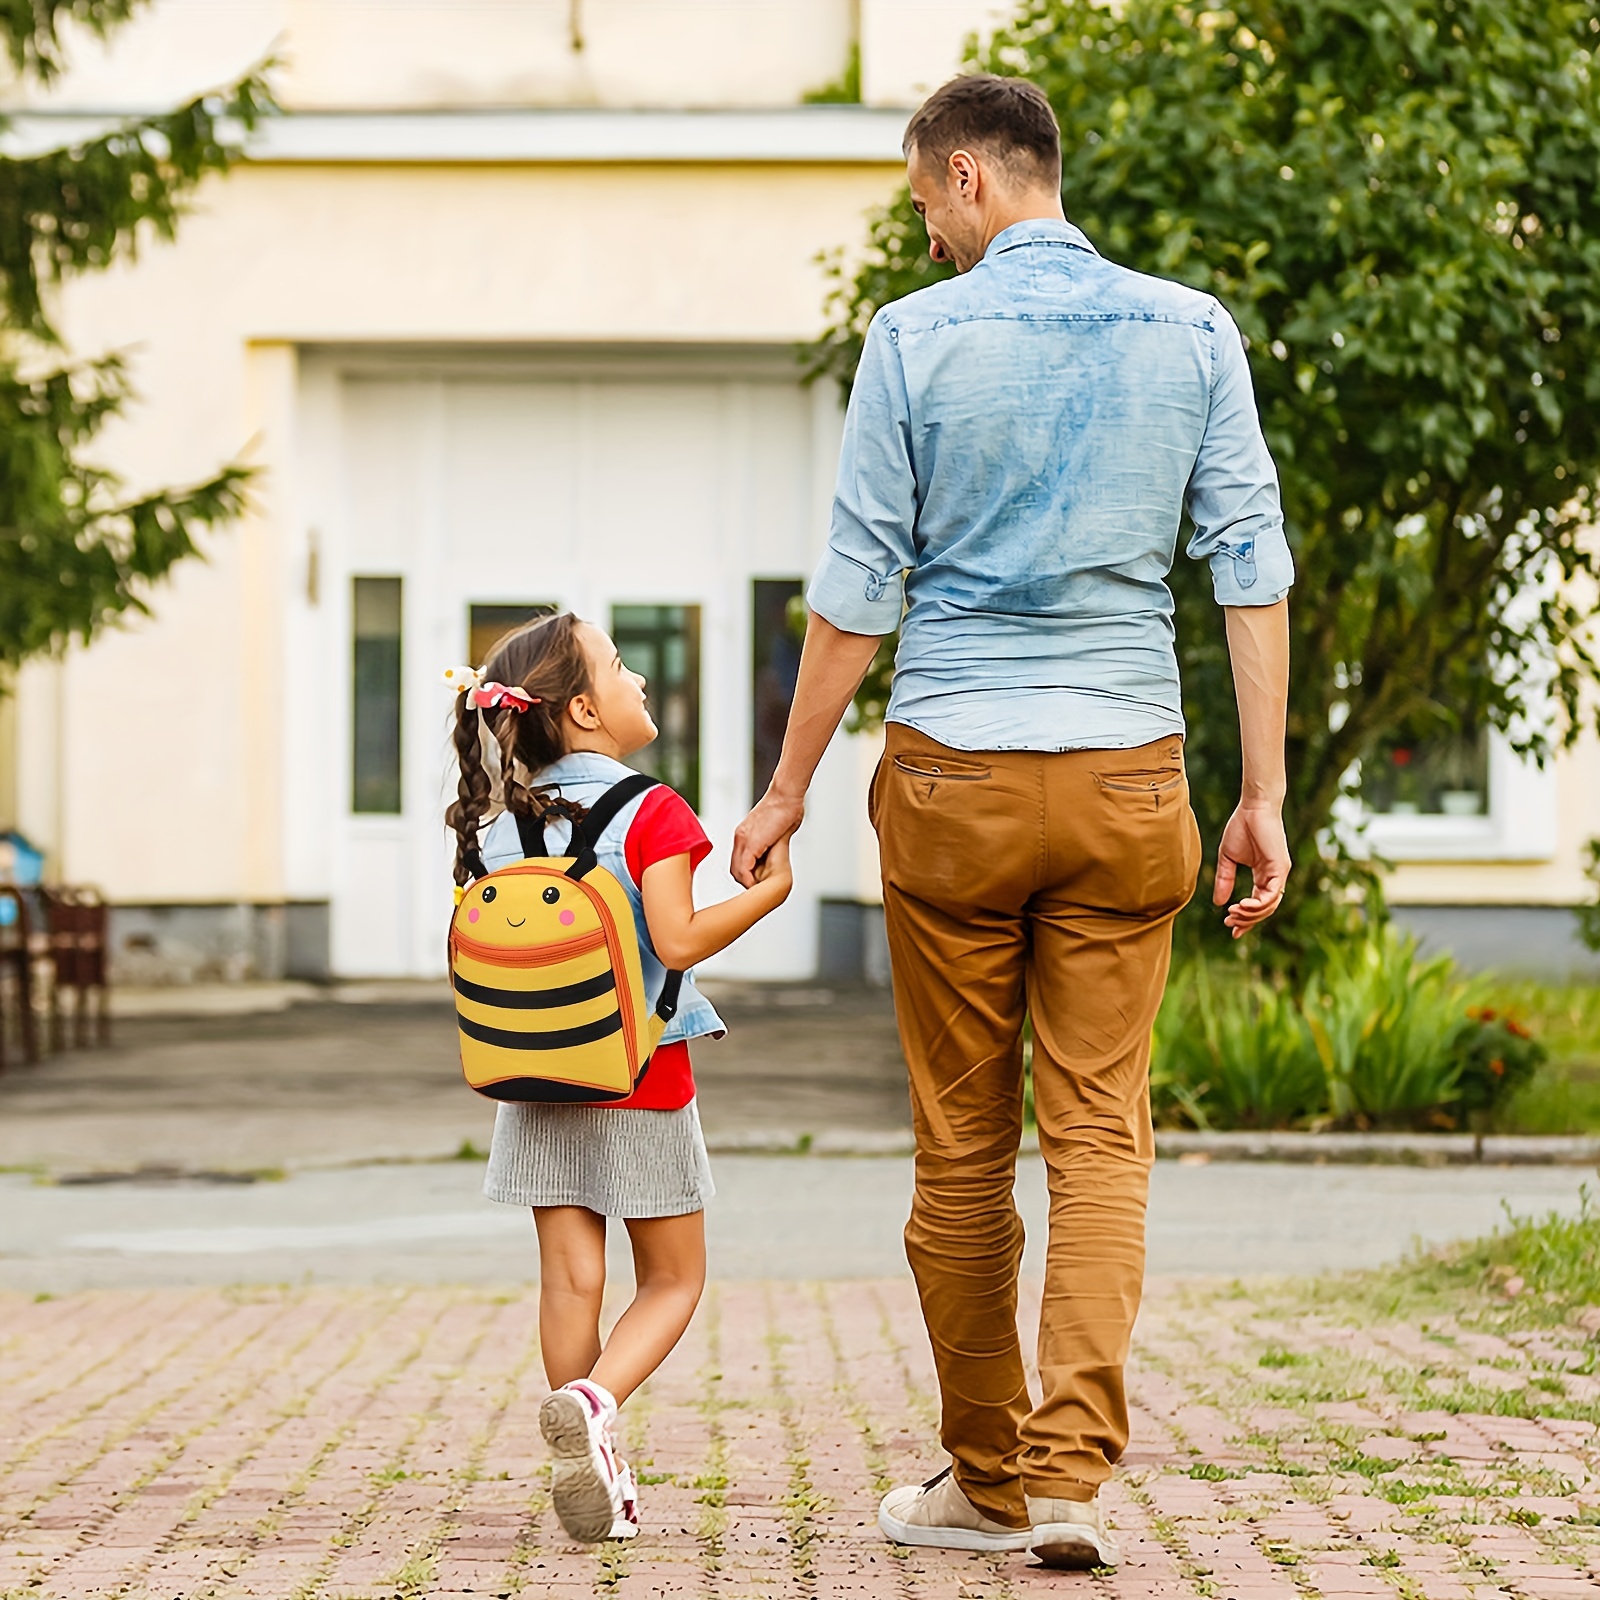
(774, 666)
(1454, 797)
(663, 642)
(375, 700)
(1439, 775)
(487, 624)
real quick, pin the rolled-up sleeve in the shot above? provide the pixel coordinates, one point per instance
(860, 584)
(1233, 491)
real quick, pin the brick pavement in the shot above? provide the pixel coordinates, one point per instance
(330, 1444)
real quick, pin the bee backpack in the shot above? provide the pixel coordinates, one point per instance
(544, 960)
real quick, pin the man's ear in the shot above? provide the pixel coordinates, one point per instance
(964, 176)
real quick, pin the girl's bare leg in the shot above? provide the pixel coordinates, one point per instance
(669, 1267)
(572, 1284)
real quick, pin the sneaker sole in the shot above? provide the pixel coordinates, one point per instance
(898, 1532)
(579, 1489)
(1070, 1548)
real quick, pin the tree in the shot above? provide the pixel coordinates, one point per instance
(1397, 201)
(75, 550)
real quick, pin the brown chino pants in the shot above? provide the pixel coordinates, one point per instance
(1016, 882)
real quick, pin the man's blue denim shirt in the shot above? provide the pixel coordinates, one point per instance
(1021, 444)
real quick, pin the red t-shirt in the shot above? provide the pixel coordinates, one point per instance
(664, 826)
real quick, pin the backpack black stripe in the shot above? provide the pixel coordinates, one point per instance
(554, 1039)
(536, 999)
(550, 1091)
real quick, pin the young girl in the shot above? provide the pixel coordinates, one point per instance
(565, 713)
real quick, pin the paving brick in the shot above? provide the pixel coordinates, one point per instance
(348, 1443)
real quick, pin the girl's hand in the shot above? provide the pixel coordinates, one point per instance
(774, 866)
(684, 936)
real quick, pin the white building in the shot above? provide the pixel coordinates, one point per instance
(505, 309)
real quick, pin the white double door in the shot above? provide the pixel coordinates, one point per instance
(587, 484)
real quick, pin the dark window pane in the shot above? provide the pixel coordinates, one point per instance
(375, 707)
(1440, 773)
(487, 625)
(775, 664)
(663, 642)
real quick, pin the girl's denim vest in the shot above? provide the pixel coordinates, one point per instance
(584, 776)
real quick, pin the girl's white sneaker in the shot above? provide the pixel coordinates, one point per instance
(586, 1485)
(627, 1524)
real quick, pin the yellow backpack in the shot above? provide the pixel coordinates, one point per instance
(544, 960)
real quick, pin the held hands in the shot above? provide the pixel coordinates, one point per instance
(773, 868)
(1254, 838)
(774, 818)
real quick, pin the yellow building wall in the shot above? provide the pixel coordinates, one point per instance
(1557, 881)
(153, 760)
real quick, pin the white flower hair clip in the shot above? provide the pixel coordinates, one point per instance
(463, 678)
(487, 696)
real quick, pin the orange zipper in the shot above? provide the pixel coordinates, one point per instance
(535, 955)
(614, 949)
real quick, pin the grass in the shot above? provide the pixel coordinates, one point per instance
(1565, 1096)
(1532, 1272)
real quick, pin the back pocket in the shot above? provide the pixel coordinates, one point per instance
(941, 768)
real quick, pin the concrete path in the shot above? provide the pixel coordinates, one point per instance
(789, 1217)
(342, 1444)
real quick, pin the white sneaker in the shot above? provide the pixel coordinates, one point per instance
(627, 1524)
(586, 1478)
(1070, 1534)
(937, 1513)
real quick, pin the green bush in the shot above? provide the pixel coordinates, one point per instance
(1501, 1055)
(1378, 1038)
(1233, 1054)
(1390, 1031)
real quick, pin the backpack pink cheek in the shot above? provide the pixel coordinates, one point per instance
(568, 918)
(472, 914)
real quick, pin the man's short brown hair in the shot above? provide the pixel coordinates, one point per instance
(1008, 117)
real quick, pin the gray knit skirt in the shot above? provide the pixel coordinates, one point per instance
(618, 1162)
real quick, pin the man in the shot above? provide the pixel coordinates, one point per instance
(1021, 444)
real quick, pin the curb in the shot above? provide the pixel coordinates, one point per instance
(1405, 1149)
(1197, 1149)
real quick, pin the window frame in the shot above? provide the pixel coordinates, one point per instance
(1520, 823)
(353, 753)
(650, 758)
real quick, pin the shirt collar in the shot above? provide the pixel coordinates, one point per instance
(584, 766)
(1039, 230)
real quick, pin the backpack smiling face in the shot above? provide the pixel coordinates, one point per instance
(549, 991)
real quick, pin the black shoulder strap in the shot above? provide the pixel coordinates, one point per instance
(586, 835)
(530, 830)
(600, 816)
(609, 806)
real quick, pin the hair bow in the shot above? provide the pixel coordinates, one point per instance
(487, 696)
(463, 678)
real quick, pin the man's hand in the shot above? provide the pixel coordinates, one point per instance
(774, 818)
(774, 866)
(1254, 838)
